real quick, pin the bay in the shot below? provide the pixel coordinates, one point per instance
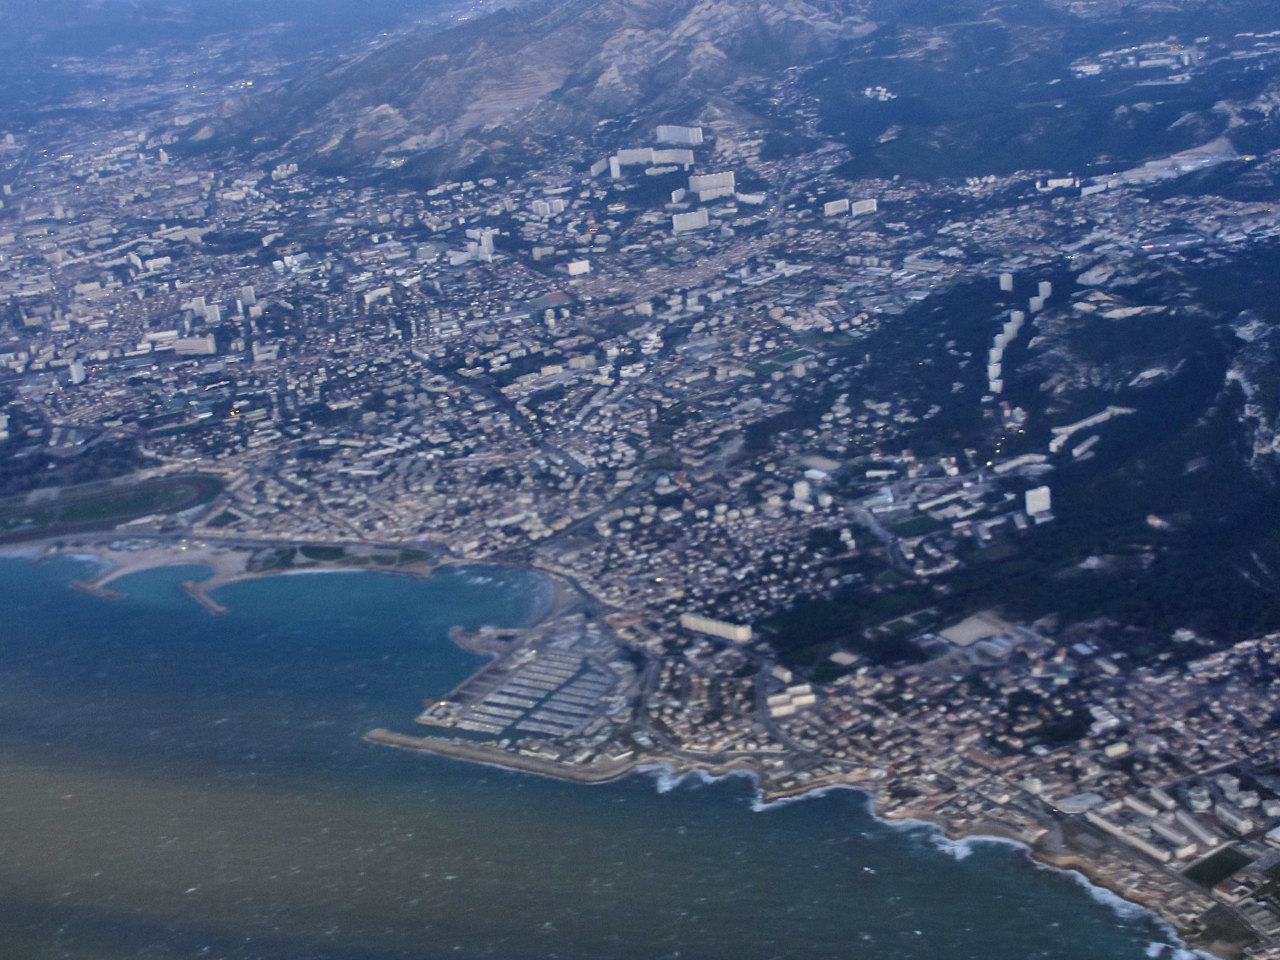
(175, 784)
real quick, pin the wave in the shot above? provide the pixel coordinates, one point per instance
(1157, 949)
(28, 553)
(1125, 909)
(1128, 910)
(667, 779)
(309, 571)
(964, 847)
(761, 804)
(95, 560)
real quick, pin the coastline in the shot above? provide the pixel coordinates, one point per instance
(669, 772)
(227, 564)
(952, 838)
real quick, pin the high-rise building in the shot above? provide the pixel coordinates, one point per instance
(696, 220)
(636, 155)
(195, 346)
(711, 181)
(686, 136)
(682, 157)
(715, 628)
(1039, 504)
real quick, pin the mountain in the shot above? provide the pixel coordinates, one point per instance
(488, 86)
(958, 88)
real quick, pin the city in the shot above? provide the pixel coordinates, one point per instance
(673, 377)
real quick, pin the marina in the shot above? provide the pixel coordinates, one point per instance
(560, 679)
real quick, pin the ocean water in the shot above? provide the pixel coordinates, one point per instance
(175, 784)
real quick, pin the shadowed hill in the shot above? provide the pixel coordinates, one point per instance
(975, 88)
(445, 97)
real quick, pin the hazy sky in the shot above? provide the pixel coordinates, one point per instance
(89, 27)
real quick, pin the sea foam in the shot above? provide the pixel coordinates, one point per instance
(667, 779)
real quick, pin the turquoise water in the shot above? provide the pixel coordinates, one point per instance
(179, 785)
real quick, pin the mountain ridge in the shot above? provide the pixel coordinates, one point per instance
(965, 90)
(557, 68)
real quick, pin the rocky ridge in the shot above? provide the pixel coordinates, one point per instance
(446, 97)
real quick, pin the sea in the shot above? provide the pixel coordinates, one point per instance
(177, 784)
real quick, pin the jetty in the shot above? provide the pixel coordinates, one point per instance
(599, 770)
(195, 590)
(97, 590)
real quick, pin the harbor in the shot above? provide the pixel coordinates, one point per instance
(565, 679)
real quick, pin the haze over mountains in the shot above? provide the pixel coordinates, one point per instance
(93, 27)
(560, 69)
(970, 88)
